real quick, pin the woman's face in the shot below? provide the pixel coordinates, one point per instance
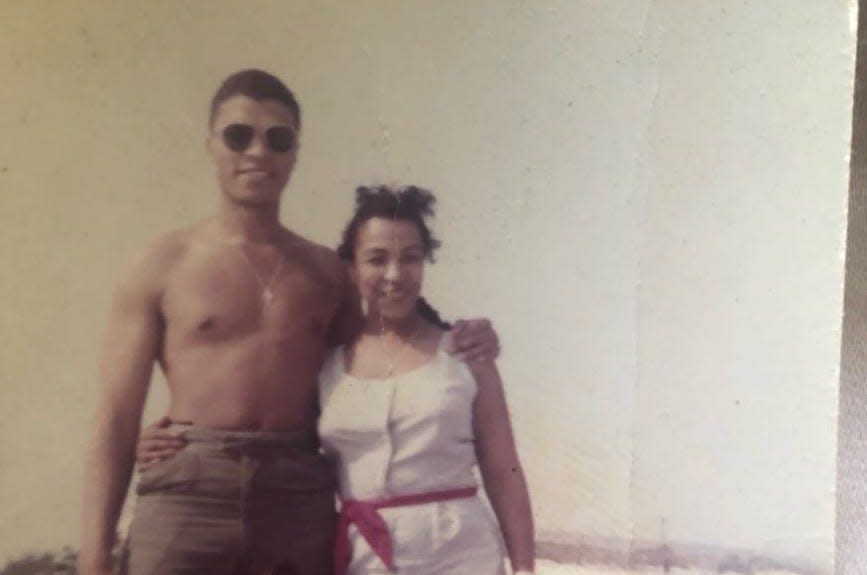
(388, 266)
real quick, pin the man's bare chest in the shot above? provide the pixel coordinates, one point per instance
(220, 299)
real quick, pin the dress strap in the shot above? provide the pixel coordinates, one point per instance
(445, 342)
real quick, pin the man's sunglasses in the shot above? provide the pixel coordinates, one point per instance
(238, 137)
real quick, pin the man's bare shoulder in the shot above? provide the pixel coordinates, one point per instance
(323, 257)
(148, 271)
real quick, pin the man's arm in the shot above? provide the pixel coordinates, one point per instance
(348, 320)
(475, 341)
(131, 345)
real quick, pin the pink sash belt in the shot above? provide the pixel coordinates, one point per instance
(371, 525)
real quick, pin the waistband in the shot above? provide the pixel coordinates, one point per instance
(301, 438)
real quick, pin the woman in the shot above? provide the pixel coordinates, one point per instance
(406, 423)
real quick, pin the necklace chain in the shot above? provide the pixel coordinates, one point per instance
(266, 287)
(393, 359)
(407, 344)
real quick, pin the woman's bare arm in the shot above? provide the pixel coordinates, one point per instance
(156, 443)
(501, 469)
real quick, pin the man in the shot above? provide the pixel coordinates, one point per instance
(239, 313)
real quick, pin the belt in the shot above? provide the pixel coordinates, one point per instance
(365, 515)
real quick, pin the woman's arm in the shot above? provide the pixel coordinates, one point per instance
(156, 443)
(501, 470)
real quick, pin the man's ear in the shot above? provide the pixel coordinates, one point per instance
(209, 144)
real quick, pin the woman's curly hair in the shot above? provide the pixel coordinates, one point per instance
(410, 203)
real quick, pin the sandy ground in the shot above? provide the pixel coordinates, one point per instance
(544, 567)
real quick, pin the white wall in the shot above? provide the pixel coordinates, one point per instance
(647, 198)
(741, 271)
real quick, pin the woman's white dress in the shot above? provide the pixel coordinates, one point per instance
(407, 434)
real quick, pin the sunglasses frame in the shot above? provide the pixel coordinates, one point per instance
(273, 137)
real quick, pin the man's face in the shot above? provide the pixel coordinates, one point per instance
(254, 144)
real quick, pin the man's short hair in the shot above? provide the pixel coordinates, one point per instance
(258, 85)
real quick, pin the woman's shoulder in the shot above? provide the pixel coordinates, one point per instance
(331, 367)
(444, 340)
(457, 369)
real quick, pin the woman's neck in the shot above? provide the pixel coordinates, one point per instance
(401, 328)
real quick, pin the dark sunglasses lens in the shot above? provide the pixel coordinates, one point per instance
(237, 136)
(280, 139)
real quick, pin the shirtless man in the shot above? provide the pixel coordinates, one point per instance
(239, 313)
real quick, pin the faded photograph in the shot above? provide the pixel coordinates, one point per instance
(420, 287)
